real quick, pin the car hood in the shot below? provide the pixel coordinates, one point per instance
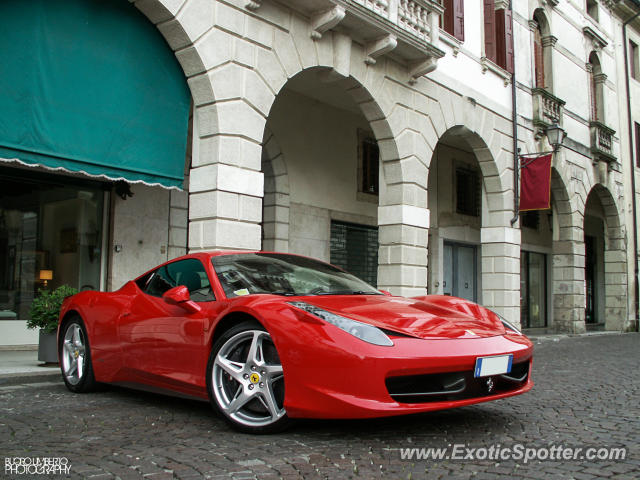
(433, 316)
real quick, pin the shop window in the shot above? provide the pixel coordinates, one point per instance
(47, 224)
(533, 289)
(355, 249)
(467, 192)
(368, 162)
(453, 18)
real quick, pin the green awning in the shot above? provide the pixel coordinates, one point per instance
(91, 86)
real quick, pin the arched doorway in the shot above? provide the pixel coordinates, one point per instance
(605, 262)
(321, 163)
(474, 253)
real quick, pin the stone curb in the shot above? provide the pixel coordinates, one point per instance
(9, 379)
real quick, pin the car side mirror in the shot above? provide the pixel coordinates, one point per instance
(180, 296)
(388, 294)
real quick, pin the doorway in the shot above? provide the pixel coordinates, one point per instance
(460, 270)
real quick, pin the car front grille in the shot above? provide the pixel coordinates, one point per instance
(438, 387)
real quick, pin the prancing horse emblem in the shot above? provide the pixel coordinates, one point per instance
(490, 385)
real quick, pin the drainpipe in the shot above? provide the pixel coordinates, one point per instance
(636, 288)
(514, 107)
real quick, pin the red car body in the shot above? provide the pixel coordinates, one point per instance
(142, 341)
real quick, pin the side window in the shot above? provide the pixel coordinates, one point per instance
(160, 282)
(189, 272)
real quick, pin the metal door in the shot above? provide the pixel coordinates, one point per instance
(460, 270)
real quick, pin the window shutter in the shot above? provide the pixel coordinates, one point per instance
(538, 55)
(593, 94)
(447, 16)
(504, 39)
(508, 40)
(458, 22)
(489, 30)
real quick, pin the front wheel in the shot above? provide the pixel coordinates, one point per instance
(75, 357)
(246, 381)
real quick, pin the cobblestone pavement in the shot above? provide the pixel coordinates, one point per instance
(587, 394)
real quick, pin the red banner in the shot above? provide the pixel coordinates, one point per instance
(535, 183)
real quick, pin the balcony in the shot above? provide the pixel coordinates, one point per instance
(547, 110)
(602, 142)
(409, 28)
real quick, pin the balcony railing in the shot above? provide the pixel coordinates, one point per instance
(602, 142)
(408, 27)
(547, 110)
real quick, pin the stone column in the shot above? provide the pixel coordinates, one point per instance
(501, 271)
(226, 184)
(403, 236)
(569, 299)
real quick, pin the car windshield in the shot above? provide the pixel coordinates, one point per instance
(280, 274)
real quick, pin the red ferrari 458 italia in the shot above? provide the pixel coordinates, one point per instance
(269, 337)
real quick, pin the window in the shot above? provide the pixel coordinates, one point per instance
(633, 60)
(369, 159)
(189, 273)
(533, 289)
(467, 192)
(637, 131)
(595, 87)
(48, 224)
(355, 248)
(530, 219)
(498, 35)
(453, 18)
(592, 9)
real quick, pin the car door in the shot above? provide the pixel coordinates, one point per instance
(163, 344)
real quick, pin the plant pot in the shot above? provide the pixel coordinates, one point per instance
(48, 347)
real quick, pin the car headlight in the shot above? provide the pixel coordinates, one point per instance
(509, 326)
(367, 333)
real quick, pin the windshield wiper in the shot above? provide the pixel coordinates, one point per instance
(349, 292)
(284, 293)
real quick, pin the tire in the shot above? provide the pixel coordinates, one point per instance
(245, 380)
(75, 357)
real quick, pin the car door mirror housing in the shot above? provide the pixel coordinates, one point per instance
(180, 296)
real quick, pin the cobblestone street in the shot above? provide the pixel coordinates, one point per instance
(587, 394)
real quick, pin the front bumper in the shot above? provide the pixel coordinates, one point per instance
(343, 377)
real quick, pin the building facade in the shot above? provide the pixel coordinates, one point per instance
(382, 136)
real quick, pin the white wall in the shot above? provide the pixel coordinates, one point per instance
(140, 226)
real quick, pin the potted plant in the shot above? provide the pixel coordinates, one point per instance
(45, 310)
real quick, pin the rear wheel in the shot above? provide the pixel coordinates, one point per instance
(75, 356)
(246, 381)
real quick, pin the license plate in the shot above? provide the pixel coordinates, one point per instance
(497, 365)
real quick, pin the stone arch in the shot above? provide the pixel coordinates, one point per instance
(499, 242)
(614, 262)
(402, 213)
